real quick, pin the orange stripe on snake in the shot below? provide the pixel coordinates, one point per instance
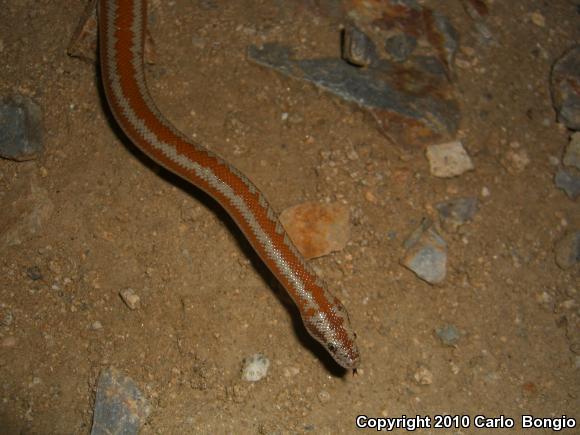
(121, 39)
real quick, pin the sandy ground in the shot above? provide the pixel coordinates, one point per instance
(108, 219)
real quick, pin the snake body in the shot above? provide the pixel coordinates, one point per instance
(121, 43)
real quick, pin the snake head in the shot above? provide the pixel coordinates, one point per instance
(331, 328)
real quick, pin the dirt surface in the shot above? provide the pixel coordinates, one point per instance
(92, 217)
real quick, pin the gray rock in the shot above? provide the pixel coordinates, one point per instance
(366, 87)
(448, 334)
(456, 212)
(120, 407)
(567, 250)
(572, 154)
(568, 182)
(34, 273)
(565, 83)
(478, 12)
(426, 254)
(20, 128)
(357, 48)
(448, 37)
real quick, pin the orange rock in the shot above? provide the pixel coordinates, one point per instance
(317, 229)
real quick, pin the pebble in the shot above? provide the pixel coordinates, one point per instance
(538, 19)
(120, 407)
(34, 273)
(485, 192)
(6, 318)
(567, 250)
(96, 325)
(572, 154)
(423, 376)
(131, 299)
(448, 334)
(448, 159)
(20, 128)
(568, 182)
(317, 229)
(426, 254)
(255, 367)
(357, 48)
(456, 212)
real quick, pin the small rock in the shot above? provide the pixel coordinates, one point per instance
(358, 49)
(448, 334)
(479, 11)
(426, 254)
(371, 197)
(456, 212)
(567, 250)
(515, 161)
(20, 128)
(34, 273)
(317, 229)
(255, 367)
(568, 182)
(6, 318)
(538, 19)
(131, 299)
(485, 192)
(565, 87)
(572, 154)
(448, 159)
(120, 407)
(96, 325)
(423, 376)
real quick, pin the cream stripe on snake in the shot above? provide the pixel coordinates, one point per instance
(121, 27)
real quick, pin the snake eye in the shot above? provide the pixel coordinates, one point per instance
(331, 348)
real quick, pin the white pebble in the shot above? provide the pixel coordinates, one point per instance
(448, 159)
(423, 376)
(255, 367)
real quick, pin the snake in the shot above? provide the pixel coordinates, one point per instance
(122, 27)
